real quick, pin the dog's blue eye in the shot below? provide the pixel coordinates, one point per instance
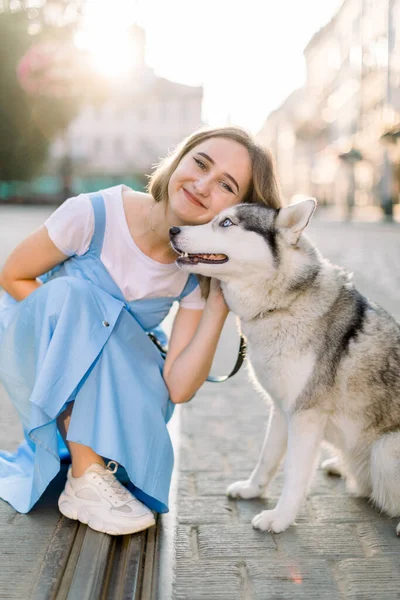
(226, 223)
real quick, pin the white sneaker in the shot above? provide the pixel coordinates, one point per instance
(99, 500)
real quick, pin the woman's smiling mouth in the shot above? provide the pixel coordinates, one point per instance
(192, 199)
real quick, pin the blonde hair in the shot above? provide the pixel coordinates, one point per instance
(263, 188)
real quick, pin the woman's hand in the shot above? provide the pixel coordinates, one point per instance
(216, 298)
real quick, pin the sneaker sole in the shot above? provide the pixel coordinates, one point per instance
(68, 508)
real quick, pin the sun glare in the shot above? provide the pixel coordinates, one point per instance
(113, 58)
(105, 36)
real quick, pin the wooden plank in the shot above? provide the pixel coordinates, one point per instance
(55, 560)
(126, 569)
(91, 567)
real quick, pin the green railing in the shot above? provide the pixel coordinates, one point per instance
(49, 188)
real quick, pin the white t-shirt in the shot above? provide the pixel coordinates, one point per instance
(138, 276)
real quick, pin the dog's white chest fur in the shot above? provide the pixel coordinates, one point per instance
(278, 365)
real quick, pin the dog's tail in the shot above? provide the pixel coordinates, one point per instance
(398, 529)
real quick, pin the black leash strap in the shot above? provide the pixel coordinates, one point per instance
(214, 379)
(239, 361)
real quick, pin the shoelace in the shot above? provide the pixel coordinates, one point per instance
(108, 478)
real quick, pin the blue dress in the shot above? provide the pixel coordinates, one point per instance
(77, 339)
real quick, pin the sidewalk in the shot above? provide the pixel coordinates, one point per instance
(341, 547)
(23, 538)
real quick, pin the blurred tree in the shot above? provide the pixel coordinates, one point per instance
(43, 81)
(22, 145)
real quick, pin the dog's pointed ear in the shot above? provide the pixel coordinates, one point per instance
(292, 219)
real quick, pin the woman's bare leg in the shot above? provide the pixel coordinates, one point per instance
(81, 456)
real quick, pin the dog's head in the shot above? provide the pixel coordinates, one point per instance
(243, 240)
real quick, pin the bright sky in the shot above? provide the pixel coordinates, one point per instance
(246, 53)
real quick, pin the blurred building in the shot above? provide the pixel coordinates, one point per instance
(140, 121)
(338, 138)
(289, 145)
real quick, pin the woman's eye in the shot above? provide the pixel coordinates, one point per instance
(227, 187)
(226, 223)
(200, 164)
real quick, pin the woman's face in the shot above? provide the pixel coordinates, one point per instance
(214, 175)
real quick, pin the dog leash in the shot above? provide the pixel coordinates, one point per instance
(212, 378)
(239, 361)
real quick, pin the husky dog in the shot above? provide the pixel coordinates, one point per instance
(327, 357)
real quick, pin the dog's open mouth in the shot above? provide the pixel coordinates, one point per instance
(194, 259)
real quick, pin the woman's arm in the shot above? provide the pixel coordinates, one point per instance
(34, 256)
(194, 339)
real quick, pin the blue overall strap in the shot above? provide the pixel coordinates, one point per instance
(99, 210)
(191, 284)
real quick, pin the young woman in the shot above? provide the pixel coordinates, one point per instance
(82, 293)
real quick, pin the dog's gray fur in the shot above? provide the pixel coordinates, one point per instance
(327, 357)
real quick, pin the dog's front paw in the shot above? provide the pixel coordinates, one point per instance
(271, 520)
(244, 489)
(333, 466)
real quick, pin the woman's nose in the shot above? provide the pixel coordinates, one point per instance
(174, 231)
(202, 186)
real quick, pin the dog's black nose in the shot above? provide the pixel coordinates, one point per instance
(174, 231)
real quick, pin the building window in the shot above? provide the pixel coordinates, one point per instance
(142, 113)
(97, 145)
(184, 110)
(119, 146)
(163, 111)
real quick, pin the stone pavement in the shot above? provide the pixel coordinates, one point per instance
(341, 547)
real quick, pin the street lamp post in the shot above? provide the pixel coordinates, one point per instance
(387, 187)
(350, 158)
(391, 139)
(387, 167)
